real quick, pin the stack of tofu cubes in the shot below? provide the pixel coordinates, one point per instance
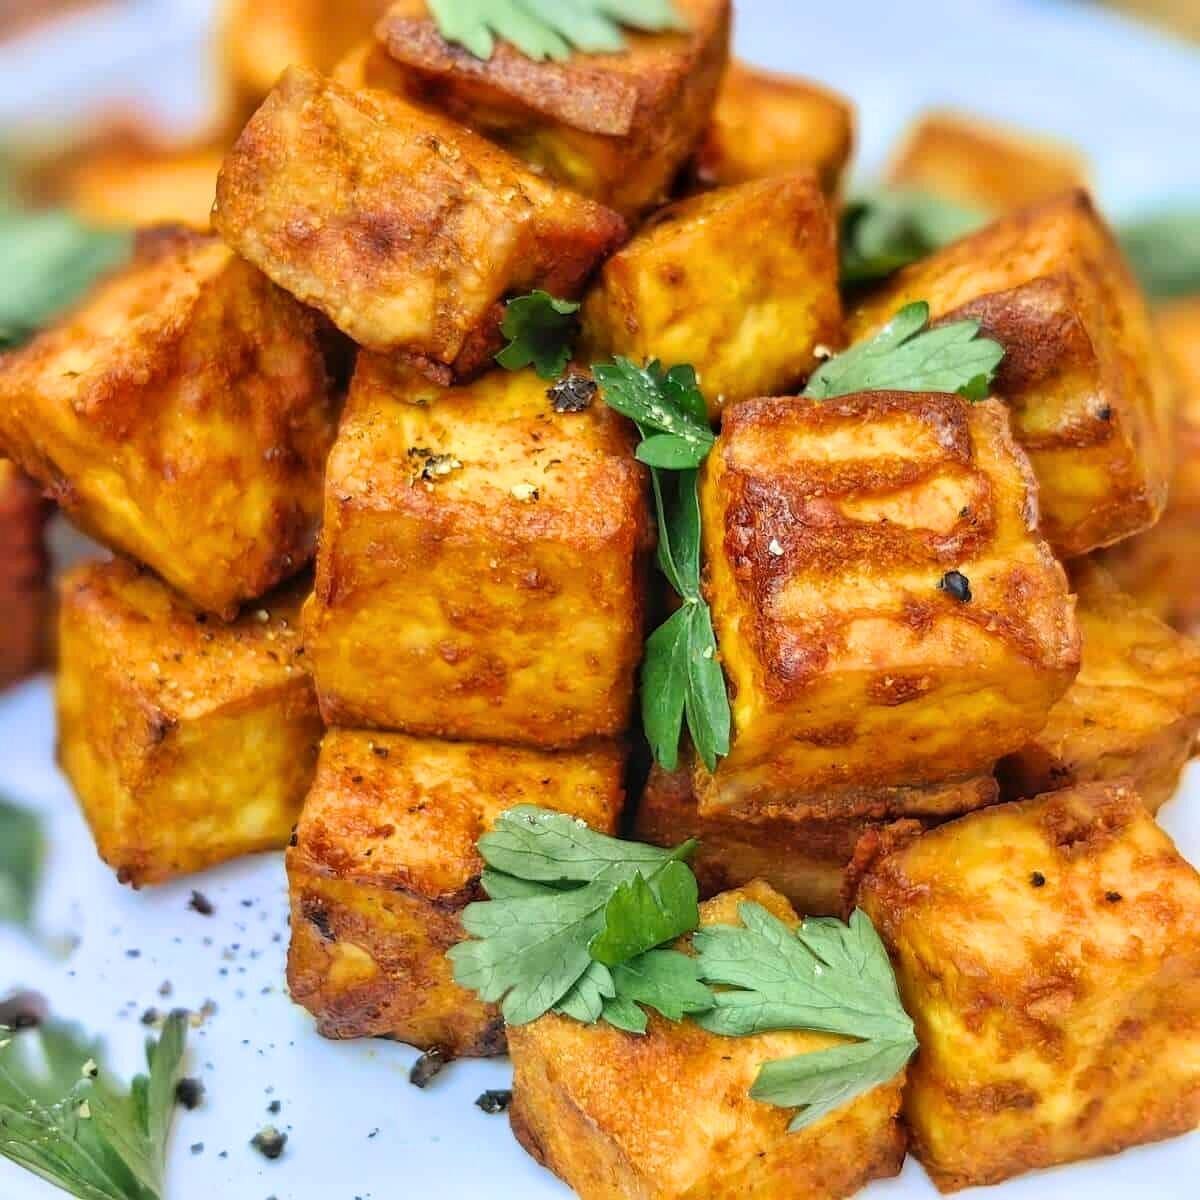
(885, 572)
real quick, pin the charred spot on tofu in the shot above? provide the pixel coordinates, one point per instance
(1088, 393)
(501, 597)
(616, 127)
(668, 1115)
(1049, 954)
(739, 283)
(187, 742)
(1134, 711)
(403, 227)
(384, 862)
(182, 415)
(827, 526)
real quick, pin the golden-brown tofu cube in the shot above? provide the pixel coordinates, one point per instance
(802, 846)
(24, 598)
(1161, 567)
(1134, 711)
(1049, 954)
(182, 415)
(384, 862)
(481, 571)
(668, 1115)
(405, 229)
(887, 614)
(769, 124)
(188, 741)
(1089, 396)
(772, 244)
(616, 127)
(983, 165)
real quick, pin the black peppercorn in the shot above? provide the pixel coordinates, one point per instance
(956, 584)
(1037, 879)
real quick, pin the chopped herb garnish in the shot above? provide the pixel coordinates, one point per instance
(541, 331)
(541, 31)
(573, 393)
(428, 1067)
(957, 585)
(681, 674)
(65, 1118)
(493, 1102)
(200, 903)
(906, 356)
(190, 1093)
(20, 863)
(426, 466)
(269, 1142)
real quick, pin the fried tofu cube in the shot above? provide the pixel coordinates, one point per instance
(668, 1115)
(482, 565)
(384, 862)
(404, 228)
(887, 614)
(24, 592)
(1134, 711)
(803, 847)
(1089, 395)
(983, 165)
(768, 124)
(616, 127)
(773, 246)
(1161, 567)
(188, 741)
(181, 415)
(1049, 954)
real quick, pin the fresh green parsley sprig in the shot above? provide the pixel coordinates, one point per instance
(906, 356)
(63, 1118)
(1164, 252)
(682, 677)
(824, 976)
(21, 851)
(550, 29)
(578, 923)
(541, 331)
(574, 922)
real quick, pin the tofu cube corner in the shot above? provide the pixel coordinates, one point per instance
(740, 283)
(1049, 953)
(886, 611)
(668, 1115)
(188, 741)
(615, 127)
(181, 415)
(1085, 382)
(404, 228)
(384, 861)
(482, 564)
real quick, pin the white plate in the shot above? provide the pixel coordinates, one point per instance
(1130, 99)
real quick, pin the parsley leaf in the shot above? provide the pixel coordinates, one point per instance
(66, 1121)
(541, 331)
(543, 29)
(888, 228)
(905, 356)
(1164, 252)
(20, 863)
(567, 904)
(825, 976)
(665, 980)
(47, 261)
(681, 672)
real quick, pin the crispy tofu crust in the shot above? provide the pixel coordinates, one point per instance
(384, 861)
(404, 228)
(668, 1116)
(482, 566)
(829, 528)
(771, 244)
(1161, 567)
(769, 124)
(1049, 953)
(984, 165)
(1133, 712)
(616, 127)
(24, 592)
(187, 741)
(1089, 396)
(181, 415)
(800, 846)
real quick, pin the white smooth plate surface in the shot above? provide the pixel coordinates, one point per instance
(1129, 98)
